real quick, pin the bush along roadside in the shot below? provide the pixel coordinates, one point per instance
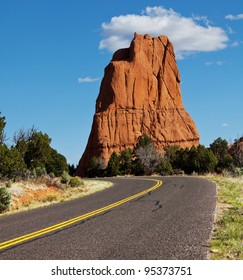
(5, 198)
(227, 239)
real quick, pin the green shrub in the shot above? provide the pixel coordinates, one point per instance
(164, 168)
(65, 177)
(5, 197)
(40, 171)
(52, 175)
(8, 184)
(75, 182)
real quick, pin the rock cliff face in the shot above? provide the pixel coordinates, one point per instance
(140, 93)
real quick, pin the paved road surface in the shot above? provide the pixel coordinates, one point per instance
(172, 222)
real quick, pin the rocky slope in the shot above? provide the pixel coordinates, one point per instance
(140, 93)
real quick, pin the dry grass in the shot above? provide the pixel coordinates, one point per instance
(34, 194)
(227, 240)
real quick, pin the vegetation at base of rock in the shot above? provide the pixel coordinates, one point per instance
(113, 167)
(144, 159)
(126, 161)
(147, 156)
(5, 198)
(95, 168)
(227, 239)
(198, 160)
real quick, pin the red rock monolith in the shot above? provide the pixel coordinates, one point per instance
(140, 93)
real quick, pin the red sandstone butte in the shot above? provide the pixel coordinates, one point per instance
(140, 93)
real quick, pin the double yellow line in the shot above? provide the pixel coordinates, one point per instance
(67, 223)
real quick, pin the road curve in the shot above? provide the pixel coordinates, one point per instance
(173, 221)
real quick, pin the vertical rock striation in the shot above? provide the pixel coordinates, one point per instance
(140, 93)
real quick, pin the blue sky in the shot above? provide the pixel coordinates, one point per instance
(53, 54)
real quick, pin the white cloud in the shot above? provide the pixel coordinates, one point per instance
(234, 17)
(87, 80)
(201, 18)
(230, 30)
(235, 44)
(187, 34)
(225, 125)
(218, 62)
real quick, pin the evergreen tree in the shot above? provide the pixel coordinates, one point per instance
(35, 150)
(38, 150)
(11, 163)
(221, 151)
(56, 164)
(181, 160)
(138, 168)
(31, 150)
(192, 164)
(126, 161)
(143, 141)
(226, 162)
(113, 167)
(164, 167)
(94, 168)
(72, 169)
(219, 147)
(171, 154)
(207, 160)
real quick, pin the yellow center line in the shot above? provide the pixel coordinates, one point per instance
(66, 223)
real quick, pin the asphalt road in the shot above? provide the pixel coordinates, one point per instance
(172, 222)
